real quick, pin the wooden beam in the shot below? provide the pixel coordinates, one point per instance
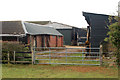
(32, 57)
(8, 57)
(14, 57)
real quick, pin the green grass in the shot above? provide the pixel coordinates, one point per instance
(56, 71)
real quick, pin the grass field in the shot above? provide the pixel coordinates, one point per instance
(57, 71)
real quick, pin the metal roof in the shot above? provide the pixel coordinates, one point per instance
(36, 29)
(59, 25)
(40, 22)
(55, 25)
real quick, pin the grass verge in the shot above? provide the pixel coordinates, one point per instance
(57, 71)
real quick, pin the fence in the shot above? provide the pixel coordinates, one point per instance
(16, 57)
(61, 55)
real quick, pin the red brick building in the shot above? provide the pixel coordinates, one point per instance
(43, 36)
(45, 40)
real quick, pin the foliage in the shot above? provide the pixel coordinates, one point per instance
(11, 47)
(114, 36)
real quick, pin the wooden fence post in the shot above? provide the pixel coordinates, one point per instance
(14, 57)
(32, 56)
(66, 54)
(8, 57)
(49, 56)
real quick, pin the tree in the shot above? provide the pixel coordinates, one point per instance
(114, 36)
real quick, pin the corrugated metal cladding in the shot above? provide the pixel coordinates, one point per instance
(67, 35)
(98, 24)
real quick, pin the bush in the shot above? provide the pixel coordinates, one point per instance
(11, 47)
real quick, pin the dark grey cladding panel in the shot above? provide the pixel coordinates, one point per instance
(82, 33)
(98, 37)
(99, 17)
(95, 44)
(99, 29)
(67, 33)
(99, 32)
(96, 40)
(99, 24)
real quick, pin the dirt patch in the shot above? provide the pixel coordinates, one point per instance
(85, 69)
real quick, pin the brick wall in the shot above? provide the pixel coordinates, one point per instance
(54, 41)
(39, 41)
(59, 39)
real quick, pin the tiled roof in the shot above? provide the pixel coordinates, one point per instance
(12, 27)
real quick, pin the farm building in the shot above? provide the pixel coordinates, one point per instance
(12, 30)
(71, 34)
(43, 36)
(97, 27)
(27, 33)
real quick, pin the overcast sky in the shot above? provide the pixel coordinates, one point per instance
(62, 11)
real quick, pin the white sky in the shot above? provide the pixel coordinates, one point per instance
(62, 11)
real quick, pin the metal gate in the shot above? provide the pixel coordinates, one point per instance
(62, 55)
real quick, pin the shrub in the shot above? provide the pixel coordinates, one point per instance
(11, 47)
